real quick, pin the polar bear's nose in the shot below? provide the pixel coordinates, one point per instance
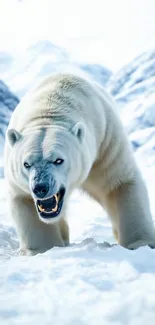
(41, 189)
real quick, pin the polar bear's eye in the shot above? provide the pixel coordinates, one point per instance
(58, 161)
(26, 165)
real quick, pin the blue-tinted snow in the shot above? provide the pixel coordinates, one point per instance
(134, 90)
(8, 102)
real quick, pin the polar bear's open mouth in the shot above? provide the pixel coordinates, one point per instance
(51, 207)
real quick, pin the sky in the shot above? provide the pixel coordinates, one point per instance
(111, 32)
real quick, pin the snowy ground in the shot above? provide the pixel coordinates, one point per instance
(88, 283)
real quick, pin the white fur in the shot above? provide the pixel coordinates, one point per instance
(70, 117)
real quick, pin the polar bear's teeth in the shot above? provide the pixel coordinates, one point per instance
(56, 207)
(56, 198)
(41, 209)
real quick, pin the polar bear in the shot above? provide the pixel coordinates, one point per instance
(66, 134)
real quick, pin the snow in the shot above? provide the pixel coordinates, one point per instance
(93, 280)
(8, 102)
(90, 281)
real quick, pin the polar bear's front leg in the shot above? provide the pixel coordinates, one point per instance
(34, 235)
(64, 229)
(128, 207)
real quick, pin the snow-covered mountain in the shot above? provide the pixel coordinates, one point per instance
(6, 62)
(40, 60)
(134, 90)
(135, 79)
(8, 102)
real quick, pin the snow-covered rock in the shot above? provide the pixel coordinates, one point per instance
(8, 102)
(134, 90)
(135, 79)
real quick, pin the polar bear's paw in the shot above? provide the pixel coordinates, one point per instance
(27, 252)
(140, 243)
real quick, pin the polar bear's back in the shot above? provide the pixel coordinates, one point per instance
(59, 97)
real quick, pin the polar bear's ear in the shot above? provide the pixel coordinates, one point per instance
(13, 136)
(79, 130)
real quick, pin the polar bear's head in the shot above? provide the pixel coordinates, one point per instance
(48, 163)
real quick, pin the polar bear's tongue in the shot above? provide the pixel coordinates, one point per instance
(49, 205)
